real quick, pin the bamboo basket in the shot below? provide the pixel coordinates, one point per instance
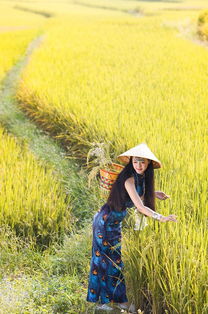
(108, 177)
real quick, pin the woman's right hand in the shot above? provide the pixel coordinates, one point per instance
(168, 218)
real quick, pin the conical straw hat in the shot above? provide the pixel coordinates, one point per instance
(141, 150)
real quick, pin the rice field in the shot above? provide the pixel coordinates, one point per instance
(37, 214)
(32, 199)
(12, 46)
(125, 72)
(16, 31)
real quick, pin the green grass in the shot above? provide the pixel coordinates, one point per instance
(53, 281)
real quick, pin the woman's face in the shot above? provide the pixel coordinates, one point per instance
(140, 164)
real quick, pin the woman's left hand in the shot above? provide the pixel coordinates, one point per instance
(161, 195)
(168, 218)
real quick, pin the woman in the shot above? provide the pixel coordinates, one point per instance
(134, 186)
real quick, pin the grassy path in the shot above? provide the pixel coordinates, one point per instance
(15, 121)
(45, 148)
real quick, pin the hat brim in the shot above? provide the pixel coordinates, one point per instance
(141, 150)
(125, 160)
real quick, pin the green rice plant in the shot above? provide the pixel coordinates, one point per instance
(32, 199)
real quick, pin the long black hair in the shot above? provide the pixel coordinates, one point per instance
(118, 194)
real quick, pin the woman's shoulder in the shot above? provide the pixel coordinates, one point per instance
(129, 181)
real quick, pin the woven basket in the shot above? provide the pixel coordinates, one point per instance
(107, 178)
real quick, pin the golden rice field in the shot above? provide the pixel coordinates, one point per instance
(105, 75)
(31, 198)
(12, 46)
(16, 32)
(28, 210)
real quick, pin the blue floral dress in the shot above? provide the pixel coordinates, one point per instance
(106, 280)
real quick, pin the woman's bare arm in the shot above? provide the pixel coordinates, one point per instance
(130, 187)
